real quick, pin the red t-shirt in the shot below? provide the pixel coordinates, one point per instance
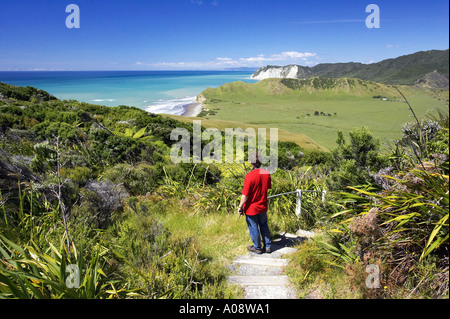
(256, 184)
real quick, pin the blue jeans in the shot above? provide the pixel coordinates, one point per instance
(258, 227)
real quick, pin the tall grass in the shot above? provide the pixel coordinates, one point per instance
(404, 226)
(28, 272)
(33, 267)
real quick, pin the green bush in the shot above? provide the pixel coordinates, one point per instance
(138, 180)
(79, 175)
(49, 130)
(363, 148)
(8, 121)
(24, 93)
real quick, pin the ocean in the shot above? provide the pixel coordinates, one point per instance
(167, 92)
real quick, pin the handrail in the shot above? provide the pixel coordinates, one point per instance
(299, 192)
(282, 194)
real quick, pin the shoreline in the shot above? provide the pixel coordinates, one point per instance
(192, 110)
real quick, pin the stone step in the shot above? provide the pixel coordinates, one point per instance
(269, 292)
(251, 270)
(259, 280)
(277, 251)
(305, 233)
(260, 260)
(261, 276)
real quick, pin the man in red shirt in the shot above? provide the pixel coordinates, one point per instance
(254, 205)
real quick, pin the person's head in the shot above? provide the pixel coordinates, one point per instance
(254, 160)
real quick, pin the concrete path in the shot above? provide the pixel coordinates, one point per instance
(262, 276)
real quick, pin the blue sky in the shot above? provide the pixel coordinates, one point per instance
(213, 34)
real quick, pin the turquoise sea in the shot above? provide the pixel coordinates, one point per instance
(155, 91)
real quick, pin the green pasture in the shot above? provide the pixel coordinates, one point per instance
(319, 111)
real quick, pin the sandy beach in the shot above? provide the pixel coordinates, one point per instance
(193, 109)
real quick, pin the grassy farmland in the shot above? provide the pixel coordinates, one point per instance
(310, 112)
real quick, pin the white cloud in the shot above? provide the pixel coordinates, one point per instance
(224, 59)
(283, 58)
(390, 46)
(293, 55)
(259, 58)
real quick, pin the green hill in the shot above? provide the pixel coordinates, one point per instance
(405, 69)
(319, 107)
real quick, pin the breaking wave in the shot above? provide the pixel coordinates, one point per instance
(174, 106)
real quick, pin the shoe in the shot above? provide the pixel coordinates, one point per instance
(254, 250)
(268, 250)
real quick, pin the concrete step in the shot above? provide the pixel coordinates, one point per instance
(260, 260)
(259, 280)
(278, 251)
(251, 270)
(269, 292)
(305, 233)
(261, 276)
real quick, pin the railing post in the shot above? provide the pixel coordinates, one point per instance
(298, 208)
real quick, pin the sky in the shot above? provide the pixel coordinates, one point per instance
(213, 34)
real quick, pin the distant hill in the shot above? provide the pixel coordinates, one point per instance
(407, 69)
(433, 80)
(288, 87)
(318, 107)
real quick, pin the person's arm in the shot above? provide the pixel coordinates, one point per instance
(241, 204)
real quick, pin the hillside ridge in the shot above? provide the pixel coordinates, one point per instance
(406, 69)
(283, 86)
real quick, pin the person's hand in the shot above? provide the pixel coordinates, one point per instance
(241, 211)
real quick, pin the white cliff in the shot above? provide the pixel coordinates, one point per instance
(281, 72)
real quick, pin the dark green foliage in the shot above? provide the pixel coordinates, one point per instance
(140, 179)
(363, 147)
(354, 161)
(7, 120)
(315, 158)
(24, 93)
(289, 155)
(66, 132)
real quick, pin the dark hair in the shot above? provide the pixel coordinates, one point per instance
(254, 159)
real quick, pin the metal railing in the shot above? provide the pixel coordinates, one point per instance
(299, 192)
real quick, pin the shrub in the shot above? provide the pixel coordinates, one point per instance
(99, 201)
(24, 93)
(79, 175)
(138, 180)
(29, 272)
(67, 133)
